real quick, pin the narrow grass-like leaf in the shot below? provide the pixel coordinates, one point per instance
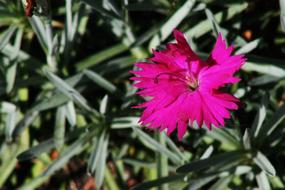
(111, 5)
(200, 181)
(259, 118)
(262, 80)
(48, 145)
(70, 113)
(67, 90)
(22, 56)
(215, 25)
(262, 181)
(8, 157)
(272, 124)
(246, 139)
(98, 6)
(207, 153)
(139, 163)
(174, 148)
(102, 82)
(159, 147)
(59, 130)
(47, 103)
(69, 28)
(39, 29)
(172, 23)
(97, 160)
(36, 150)
(264, 65)
(104, 104)
(11, 113)
(11, 76)
(124, 122)
(264, 164)
(6, 36)
(225, 137)
(68, 153)
(11, 120)
(158, 182)
(101, 56)
(248, 47)
(223, 158)
(161, 160)
(111, 180)
(24, 123)
(205, 26)
(221, 183)
(102, 156)
(242, 169)
(282, 14)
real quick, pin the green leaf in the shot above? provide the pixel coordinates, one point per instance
(282, 14)
(68, 28)
(248, 47)
(39, 29)
(246, 139)
(157, 146)
(125, 122)
(6, 36)
(69, 152)
(139, 163)
(56, 100)
(162, 165)
(224, 136)
(262, 181)
(174, 148)
(264, 164)
(98, 6)
(101, 56)
(205, 26)
(102, 82)
(158, 182)
(59, 130)
(48, 145)
(11, 118)
(70, 113)
(97, 160)
(264, 65)
(67, 90)
(11, 76)
(200, 181)
(172, 23)
(28, 119)
(35, 151)
(259, 118)
(221, 183)
(215, 25)
(262, 80)
(219, 159)
(270, 126)
(207, 152)
(104, 104)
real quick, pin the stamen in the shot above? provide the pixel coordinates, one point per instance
(190, 80)
(177, 75)
(170, 74)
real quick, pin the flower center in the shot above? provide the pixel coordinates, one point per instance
(192, 82)
(189, 79)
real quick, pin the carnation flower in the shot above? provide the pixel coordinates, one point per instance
(181, 88)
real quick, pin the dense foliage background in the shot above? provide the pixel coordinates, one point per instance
(66, 121)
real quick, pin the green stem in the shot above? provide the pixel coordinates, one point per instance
(162, 161)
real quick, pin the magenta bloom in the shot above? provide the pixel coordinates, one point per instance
(181, 88)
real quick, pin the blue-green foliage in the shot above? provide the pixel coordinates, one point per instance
(65, 90)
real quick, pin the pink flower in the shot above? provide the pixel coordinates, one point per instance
(181, 88)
